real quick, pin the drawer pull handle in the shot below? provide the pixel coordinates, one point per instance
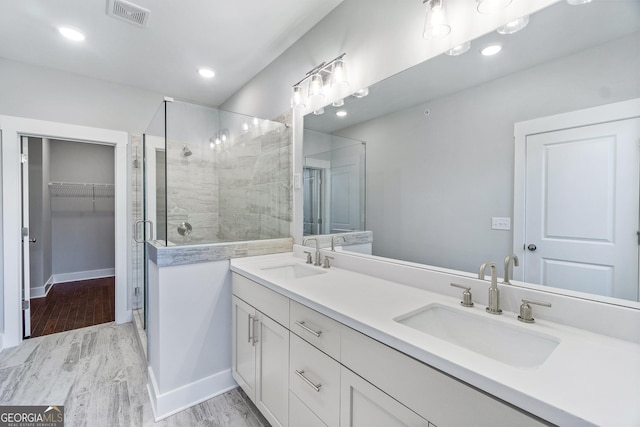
(308, 329)
(308, 381)
(249, 325)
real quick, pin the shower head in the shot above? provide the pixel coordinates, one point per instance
(186, 152)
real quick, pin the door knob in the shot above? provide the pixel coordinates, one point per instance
(532, 247)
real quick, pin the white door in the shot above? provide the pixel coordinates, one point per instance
(26, 277)
(581, 208)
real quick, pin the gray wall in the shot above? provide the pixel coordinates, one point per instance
(47, 94)
(83, 237)
(433, 183)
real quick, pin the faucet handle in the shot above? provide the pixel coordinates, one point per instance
(326, 261)
(467, 299)
(526, 314)
(309, 259)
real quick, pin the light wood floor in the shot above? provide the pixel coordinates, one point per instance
(99, 376)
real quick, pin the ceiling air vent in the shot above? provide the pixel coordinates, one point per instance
(129, 12)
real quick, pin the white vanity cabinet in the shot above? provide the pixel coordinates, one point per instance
(318, 372)
(260, 350)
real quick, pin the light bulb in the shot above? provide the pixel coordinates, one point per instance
(339, 73)
(435, 25)
(316, 86)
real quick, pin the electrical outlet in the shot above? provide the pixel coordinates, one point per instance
(500, 223)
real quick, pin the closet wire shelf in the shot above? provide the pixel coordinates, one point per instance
(81, 189)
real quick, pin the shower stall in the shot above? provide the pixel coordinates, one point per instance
(202, 176)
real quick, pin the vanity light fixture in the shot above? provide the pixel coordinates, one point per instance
(514, 26)
(578, 2)
(341, 113)
(255, 121)
(491, 50)
(245, 127)
(207, 73)
(333, 71)
(491, 6)
(338, 102)
(459, 50)
(319, 111)
(72, 34)
(435, 24)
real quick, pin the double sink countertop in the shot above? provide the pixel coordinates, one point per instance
(587, 379)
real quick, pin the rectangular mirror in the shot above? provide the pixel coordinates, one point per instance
(440, 180)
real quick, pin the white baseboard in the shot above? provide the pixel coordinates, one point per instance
(42, 291)
(179, 399)
(83, 275)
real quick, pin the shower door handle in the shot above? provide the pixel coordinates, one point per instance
(135, 230)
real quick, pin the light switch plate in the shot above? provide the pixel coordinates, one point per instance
(500, 223)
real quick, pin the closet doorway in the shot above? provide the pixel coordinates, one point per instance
(70, 213)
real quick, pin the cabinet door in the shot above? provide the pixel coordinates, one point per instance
(272, 387)
(363, 405)
(243, 351)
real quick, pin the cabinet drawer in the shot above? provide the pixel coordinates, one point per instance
(314, 378)
(300, 415)
(315, 328)
(271, 303)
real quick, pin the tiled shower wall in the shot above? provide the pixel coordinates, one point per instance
(255, 186)
(236, 191)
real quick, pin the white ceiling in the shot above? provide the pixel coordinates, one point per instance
(236, 38)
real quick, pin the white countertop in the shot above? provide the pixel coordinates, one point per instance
(588, 378)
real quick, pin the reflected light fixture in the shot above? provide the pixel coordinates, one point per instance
(435, 24)
(207, 73)
(491, 50)
(341, 113)
(338, 102)
(319, 111)
(72, 34)
(491, 6)
(578, 2)
(361, 93)
(514, 26)
(459, 50)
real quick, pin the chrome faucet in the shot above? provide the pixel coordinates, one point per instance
(494, 293)
(333, 241)
(507, 263)
(304, 243)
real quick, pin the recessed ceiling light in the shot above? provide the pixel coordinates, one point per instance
(490, 50)
(72, 34)
(207, 73)
(341, 113)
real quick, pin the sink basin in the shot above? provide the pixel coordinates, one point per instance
(481, 334)
(294, 271)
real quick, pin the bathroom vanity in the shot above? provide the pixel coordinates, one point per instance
(336, 347)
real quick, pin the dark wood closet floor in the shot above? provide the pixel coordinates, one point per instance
(73, 305)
